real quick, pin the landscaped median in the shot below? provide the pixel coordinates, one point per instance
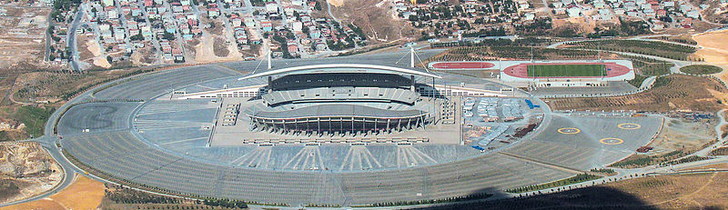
(579, 178)
(701, 69)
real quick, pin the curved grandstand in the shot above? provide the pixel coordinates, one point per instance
(338, 102)
(194, 131)
(461, 65)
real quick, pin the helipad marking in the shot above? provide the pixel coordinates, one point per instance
(611, 141)
(568, 131)
(629, 126)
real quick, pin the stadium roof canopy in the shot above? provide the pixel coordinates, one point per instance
(340, 68)
(338, 110)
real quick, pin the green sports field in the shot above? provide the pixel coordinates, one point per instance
(567, 70)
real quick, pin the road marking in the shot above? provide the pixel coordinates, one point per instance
(611, 141)
(629, 126)
(568, 131)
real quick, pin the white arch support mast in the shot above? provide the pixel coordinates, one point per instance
(323, 68)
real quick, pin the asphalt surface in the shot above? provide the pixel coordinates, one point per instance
(72, 40)
(123, 151)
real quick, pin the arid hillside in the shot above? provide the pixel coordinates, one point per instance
(674, 92)
(374, 17)
(26, 170)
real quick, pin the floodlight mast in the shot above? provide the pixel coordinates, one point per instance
(412, 57)
(269, 58)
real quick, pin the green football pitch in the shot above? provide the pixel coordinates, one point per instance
(567, 70)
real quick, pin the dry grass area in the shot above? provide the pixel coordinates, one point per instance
(715, 49)
(22, 37)
(336, 3)
(699, 191)
(220, 47)
(54, 87)
(84, 193)
(708, 167)
(678, 138)
(679, 191)
(674, 92)
(144, 56)
(213, 47)
(684, 135)
(26, 170)
(374, 17)
(577, 24)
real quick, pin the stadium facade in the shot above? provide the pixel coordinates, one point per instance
(341, 100)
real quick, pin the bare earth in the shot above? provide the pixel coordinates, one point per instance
(84, 193)
(715, 49)
(205, 51)
(679, 191)
(22, 38)
(336, 3)
(374, 17)
(26, 170)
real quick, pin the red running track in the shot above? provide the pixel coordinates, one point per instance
(463, 65)
(521, 70)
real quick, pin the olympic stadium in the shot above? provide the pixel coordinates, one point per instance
(348, 131)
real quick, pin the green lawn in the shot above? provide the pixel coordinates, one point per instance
(567, 70)
(34, 118)
(701, 69)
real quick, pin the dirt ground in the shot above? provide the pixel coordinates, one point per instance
(84, 193)
(715, 49)
(679, 92)
(91, 52)
(579, 23)
(374, 17)
(679, 191)
(207, 51)
(683, 135)
(26, 170)
(48, 86)
(336, 3)
(22, 37)
(692, 191)
(708, 167)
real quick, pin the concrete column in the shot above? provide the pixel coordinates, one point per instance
(412, 78)
(388, 121)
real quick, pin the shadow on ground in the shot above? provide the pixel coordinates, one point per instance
(597, 197)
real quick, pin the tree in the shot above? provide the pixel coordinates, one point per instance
(168, 36)
(317, 6)
(137, 37)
